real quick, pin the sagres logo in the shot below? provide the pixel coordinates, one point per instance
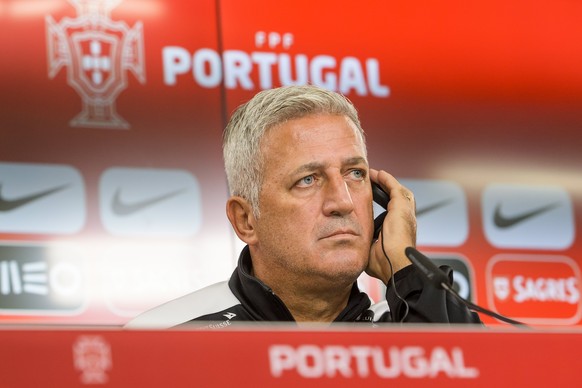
(97, 52)
(41, 280)
(538, 289)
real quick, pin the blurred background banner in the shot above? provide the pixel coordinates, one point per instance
(112, 188)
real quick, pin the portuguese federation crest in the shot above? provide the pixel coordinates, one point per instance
(97, 53)
(92, 356)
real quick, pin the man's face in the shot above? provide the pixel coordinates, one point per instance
(316, 210)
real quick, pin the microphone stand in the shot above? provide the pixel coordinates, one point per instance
(440, 280)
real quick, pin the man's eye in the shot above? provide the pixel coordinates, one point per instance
(306, 181)
(358, 174)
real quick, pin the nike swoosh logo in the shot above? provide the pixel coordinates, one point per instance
(502, 221)
(7, 205)
(121, 208)
(434, 206)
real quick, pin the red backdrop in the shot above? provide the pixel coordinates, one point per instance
(473, 106)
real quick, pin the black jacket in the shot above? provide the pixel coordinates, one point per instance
(246, 298)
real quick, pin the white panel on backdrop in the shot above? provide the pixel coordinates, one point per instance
(136, 277)
(530, 217)
(41, 198)
(441, 211)
(150, 202)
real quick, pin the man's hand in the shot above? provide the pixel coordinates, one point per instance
(398, 230)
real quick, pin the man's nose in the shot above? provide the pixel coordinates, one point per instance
(338, 200)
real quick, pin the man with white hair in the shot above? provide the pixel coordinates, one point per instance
(301, 199)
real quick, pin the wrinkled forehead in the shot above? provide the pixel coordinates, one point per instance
(323, 139)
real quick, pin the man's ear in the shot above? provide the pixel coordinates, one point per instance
(240, 214)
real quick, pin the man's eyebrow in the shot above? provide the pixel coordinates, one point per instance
(313, 166)
(308, 167)
(355, 160)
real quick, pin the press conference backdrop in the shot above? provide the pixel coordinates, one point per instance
(112, 189)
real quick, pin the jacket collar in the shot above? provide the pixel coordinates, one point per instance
(263, 305)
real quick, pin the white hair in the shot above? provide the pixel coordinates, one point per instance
(243, 160)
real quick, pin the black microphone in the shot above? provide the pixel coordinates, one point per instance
(434, 274)
(439, 279)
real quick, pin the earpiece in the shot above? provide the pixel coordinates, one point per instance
(381, 198)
